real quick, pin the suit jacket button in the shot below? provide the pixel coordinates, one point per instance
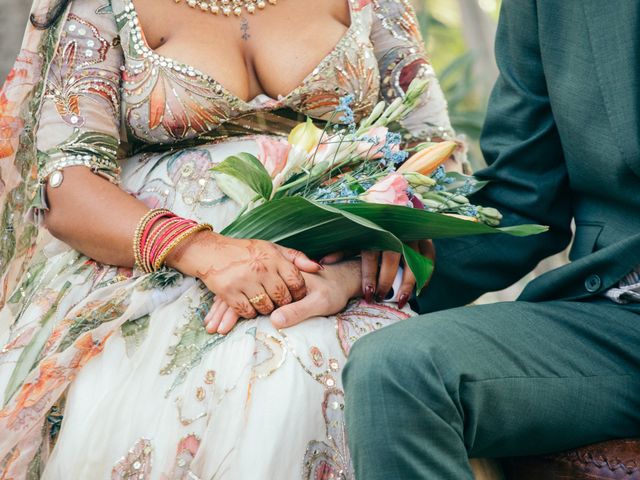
(593, 283)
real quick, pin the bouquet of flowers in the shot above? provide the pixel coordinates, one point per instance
(350, 186)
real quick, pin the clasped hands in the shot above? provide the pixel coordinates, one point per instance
(255, 277)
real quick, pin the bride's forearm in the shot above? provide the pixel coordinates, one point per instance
(94, 216)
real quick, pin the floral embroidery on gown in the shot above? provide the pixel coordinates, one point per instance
(108, 373)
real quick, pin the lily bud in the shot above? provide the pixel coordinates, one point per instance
(431, 204)
(415, 90)
(305, 136)
(490, 216)
(374, 115)
(390, 111)
(428, 160)
(418, 180)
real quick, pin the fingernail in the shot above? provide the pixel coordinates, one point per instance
(319, 264)
(277, 320)
(368, 293)
(402, 301)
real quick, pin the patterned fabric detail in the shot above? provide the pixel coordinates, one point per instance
(78, 73)
(136, 464)
(81, 103)
(628, 289)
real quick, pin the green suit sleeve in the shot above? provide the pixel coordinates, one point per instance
(527, 174)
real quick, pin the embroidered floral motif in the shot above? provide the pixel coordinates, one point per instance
(399, 18)
(268, 356)
(330, 459)
(134, 332)
(89, 317)
(316, 356)
(77, 72)
(23, 73)
(193, 342)
(136, 464)
(186, 451)
(361, 318)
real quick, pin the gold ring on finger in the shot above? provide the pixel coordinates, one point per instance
(257, 299)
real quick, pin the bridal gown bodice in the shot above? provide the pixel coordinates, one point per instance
(109, 373)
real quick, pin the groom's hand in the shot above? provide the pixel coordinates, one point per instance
(379, 271)
(328, 292)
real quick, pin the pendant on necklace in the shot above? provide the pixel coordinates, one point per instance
(244, 27)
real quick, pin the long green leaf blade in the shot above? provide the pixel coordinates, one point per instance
(413, 224)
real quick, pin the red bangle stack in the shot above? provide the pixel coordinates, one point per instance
(159, 232)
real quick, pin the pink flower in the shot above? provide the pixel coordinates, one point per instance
(391, 190)
(370, 150)
(273, 153)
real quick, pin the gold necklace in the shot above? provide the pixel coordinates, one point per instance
(227, 7)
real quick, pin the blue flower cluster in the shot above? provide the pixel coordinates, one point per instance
(439, 174)
(467, 188)
(344, 107)
(471, 211)
(391, 156)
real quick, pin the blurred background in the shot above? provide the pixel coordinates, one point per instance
(459, 35)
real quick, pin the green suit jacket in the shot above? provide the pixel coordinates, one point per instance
(562, 143)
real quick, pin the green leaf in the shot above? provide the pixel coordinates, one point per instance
(421, 267)
(411, 224)
(458, 180)
(249, 170)
(318, 229)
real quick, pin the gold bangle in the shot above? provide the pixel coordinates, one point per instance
(142, 224)
(165, 252)
(167, 225)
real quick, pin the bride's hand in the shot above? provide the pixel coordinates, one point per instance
(251, 276)
(379, 270)
(328, 292)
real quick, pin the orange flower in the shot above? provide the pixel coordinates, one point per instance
(427, 160)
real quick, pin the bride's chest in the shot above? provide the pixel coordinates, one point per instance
(165, 100)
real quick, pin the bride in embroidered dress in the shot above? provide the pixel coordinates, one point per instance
(112, 372)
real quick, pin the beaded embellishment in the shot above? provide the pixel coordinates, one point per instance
(227, 7)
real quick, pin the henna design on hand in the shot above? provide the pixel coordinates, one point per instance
(295, 282)
(244, 308)
(281, 295)
(258, 257)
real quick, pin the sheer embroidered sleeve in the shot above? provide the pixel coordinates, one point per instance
(79, 118)
(401, 56)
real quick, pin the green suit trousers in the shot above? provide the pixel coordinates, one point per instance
(506, 379)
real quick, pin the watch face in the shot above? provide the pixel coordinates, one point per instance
(55, 179)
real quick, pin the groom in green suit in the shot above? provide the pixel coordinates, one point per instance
(559, 367)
